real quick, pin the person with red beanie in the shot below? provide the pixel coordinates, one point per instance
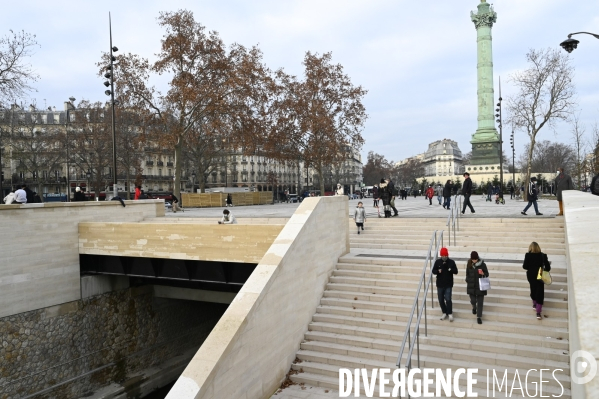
(444, 269)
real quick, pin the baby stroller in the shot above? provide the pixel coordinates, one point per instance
(499, 198)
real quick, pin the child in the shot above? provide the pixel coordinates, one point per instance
(360, 216)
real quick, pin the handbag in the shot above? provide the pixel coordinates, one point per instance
(484, 283)
(545, 276)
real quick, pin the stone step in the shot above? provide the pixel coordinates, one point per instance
(500, 277)
(327, 376)
(443, 333)
(451, 343)
(460, 248)
(411, 272)
(408, 288)
(382, 359)
(458, 306)
(349, 293)
(473, 242)
(459, 322)
(462, 311)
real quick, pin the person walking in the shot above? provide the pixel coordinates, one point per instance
(467, 193)
(475, 269)
(385, 197)
(444, 268)
(532, 196)
(360, 216)
(447, 194)
(430, 193)
(440, 194)
(175, 203)
(227, 218)
(137, 192)
(595, 185)
(562, 182)
(489, 191)
(229, 200)
(375, 198)
(512, 191)
(78, 196)
(534, 260)
(393, 192)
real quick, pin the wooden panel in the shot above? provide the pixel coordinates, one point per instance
(205, 200)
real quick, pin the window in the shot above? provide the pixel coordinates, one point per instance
(159, 172)
(170, 172)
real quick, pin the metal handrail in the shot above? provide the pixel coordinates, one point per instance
(427, 272)
(453, 219)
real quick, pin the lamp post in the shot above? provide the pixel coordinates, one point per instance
(513, 158)
(570, 44)
(193, 182)
(499, 120)
(88, 174)
(70, 106)
(110, 75)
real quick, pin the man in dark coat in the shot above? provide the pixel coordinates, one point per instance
(532, 196)
(385, 197)
(393, 192)
(562, 182)
(467, 193)
(447, 194)
(444, 269)
(595, 185)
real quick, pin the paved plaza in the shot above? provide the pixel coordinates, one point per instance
(412, 207)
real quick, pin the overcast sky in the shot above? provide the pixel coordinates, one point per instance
(417, 59)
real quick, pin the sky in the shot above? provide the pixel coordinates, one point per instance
(417, 59)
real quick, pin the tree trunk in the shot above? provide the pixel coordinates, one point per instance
(528, 168)
(178, 165)
(321, 179)
(128, 184)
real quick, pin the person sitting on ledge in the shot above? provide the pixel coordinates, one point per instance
(228, 218)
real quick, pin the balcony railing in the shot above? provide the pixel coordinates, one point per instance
(169, 164)
(159, 163)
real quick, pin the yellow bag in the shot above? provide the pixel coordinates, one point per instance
(545, 276)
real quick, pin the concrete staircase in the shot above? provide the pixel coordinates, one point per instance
(362, 316)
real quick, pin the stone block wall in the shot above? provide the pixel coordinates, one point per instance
(69, 350)
(39, 249)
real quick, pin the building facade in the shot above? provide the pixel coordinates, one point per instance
(443, 160)
(23, 160)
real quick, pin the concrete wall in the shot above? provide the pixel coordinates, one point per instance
(581, 212)
(251, 348)
(214, 242)
(39, 252)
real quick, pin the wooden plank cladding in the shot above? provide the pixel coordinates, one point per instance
(226, 243)
(205, 200)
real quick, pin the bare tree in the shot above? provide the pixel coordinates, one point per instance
(580, 145)
(91, 143)
(36, 148)
(16, 75)
(545, 94)
(377, 167)
(548, 156)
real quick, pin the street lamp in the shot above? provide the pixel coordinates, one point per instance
(70, 105)
(499, 119)
(513, 159)
(193, 182)
(570, 44)
(110, 75)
